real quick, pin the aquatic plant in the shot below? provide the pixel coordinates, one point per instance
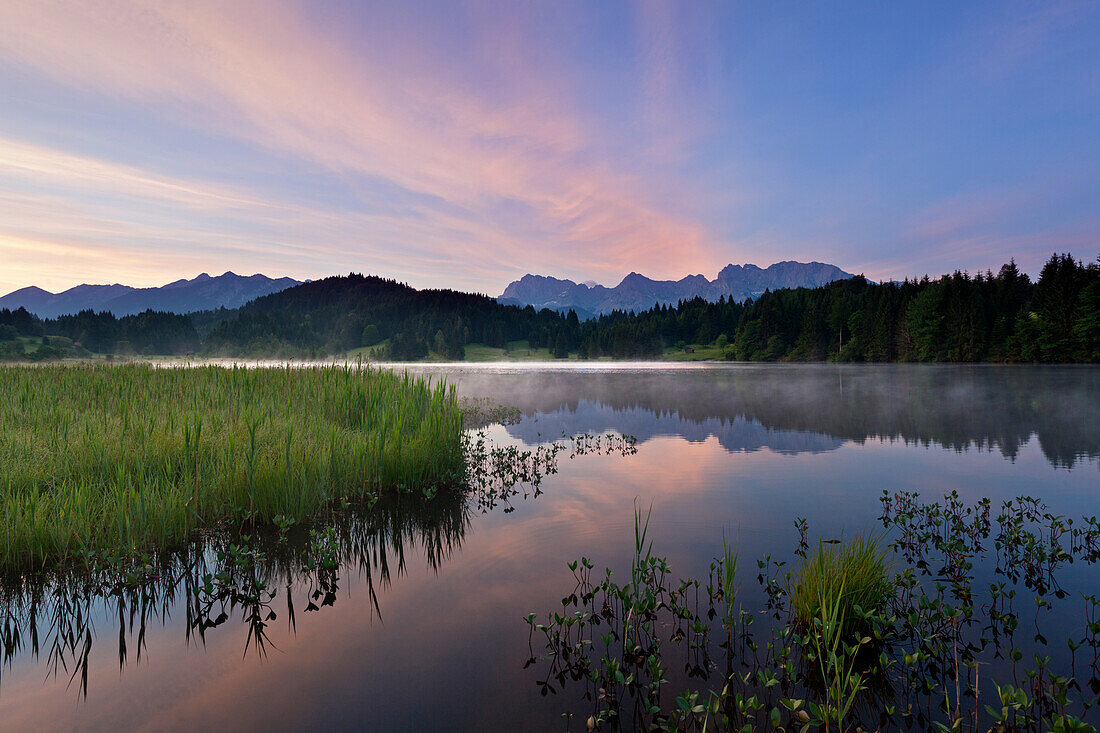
(836, 661)
(910, 663)
(497, 473)
(136, 457)
(844, 581)
(254, 574)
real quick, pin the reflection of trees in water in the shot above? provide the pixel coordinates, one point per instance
(254, 580)
(957, 407)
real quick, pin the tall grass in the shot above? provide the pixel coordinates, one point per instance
(122, 458)
(845, 581)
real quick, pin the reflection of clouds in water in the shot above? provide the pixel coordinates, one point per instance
(737, 435)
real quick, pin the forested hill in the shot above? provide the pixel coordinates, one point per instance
(963, 318)
(339, 314)
(957, 318)
(1003, 317)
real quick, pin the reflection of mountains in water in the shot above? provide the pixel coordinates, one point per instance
(738, 435)
(956, 407)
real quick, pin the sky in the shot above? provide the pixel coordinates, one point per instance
(462, 145)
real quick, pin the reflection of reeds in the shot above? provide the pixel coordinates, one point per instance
(136, 457)
(223, 578)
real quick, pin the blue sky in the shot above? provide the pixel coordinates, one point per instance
(462, 145)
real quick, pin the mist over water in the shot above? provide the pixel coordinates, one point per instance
(420, 626)
(774, 406)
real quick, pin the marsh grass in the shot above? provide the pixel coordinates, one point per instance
(253, 574)
(844, 581)
(130, 457)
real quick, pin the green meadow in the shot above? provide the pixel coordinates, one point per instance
(125, 458)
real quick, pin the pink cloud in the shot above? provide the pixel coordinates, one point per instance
(267, 74)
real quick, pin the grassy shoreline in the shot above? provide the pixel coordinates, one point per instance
(122, 458)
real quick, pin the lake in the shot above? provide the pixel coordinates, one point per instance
(419, 623)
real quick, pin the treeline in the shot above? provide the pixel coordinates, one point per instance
(148, 333)
(1002, 317)
(18, 326)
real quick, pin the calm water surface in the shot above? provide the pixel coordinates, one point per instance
(422, 628)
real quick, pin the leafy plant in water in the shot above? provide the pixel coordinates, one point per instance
(886, 652)
(827, 642)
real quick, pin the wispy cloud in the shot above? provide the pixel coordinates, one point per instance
(267, 75)
(463, 144)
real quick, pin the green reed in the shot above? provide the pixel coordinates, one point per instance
(844, 581)
(132, 457)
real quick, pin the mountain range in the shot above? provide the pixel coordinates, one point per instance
(204, 292)
(635, 293)
(638, 292)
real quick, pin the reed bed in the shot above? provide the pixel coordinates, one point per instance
(102, 458)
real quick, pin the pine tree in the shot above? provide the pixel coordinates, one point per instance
(561, 347)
